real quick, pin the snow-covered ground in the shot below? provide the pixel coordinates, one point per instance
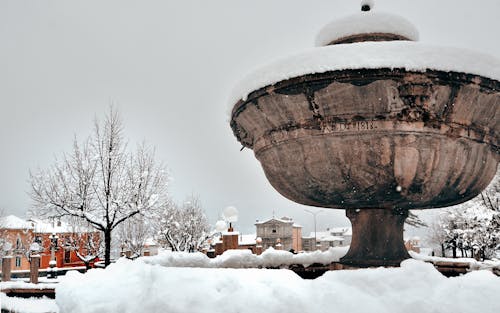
(473, 264)
(33, 305)
(139, 286)
(191, 282)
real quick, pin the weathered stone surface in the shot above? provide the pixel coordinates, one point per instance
(375, 138)
(379, 237)
(34, 267)
(6, 268)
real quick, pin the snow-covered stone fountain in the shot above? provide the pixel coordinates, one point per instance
(376, 123)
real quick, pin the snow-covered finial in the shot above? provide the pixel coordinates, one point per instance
(367, 5)
(230, 214)
(220, 226)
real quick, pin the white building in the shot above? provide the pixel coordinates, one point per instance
(332, 237)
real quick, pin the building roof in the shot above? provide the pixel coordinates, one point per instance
(14, 222)
(44, 227)
(285, 220)
(325, 236)
(41, 226)
(345, 231)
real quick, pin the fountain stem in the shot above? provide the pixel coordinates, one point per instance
(377, 237)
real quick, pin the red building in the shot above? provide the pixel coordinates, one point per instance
(68, 242)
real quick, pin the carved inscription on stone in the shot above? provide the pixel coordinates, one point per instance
(365, 125)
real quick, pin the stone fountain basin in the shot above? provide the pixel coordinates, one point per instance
(375, 138)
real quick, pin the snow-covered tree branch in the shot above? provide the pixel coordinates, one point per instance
(472, 228)
(134, 233)
(183, 228)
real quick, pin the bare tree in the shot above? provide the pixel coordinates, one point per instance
(84, 240)
(101, 182)
(436, 237)
(473, 228)
(183, 228)
(133, 234)
(414, 220)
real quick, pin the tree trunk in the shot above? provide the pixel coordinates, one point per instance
(443, 251)
(454, 249)
(107, 247)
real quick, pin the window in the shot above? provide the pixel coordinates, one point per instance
(18, 243)
(18, 261)
(38, 239)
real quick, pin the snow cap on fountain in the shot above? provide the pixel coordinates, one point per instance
(367, 25)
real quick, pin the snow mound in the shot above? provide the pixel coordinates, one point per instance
(32, 305)
(412, 56)
(366, 23)
(245, 258)
(139, 287)
(473, 264)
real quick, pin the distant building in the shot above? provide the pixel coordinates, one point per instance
(282, 231)
(21, 234)
(413, 244)
(332, 237)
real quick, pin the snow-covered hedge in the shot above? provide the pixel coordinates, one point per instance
(135, 286)
(245, 258)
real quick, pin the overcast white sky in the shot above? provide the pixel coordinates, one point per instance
(169, 66)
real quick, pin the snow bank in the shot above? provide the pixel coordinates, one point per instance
(134, 286)
(32, 305)
(245, 258)
(366, 23)
(473, 264)
(412, 56)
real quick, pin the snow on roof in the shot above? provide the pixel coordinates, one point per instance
(366, 23)
(326, 236)
(280, 220)
(230, 233)
(297, 225)
(45, 227)
(345, 231)
(412, 56)
(151, 242)
(14, 222)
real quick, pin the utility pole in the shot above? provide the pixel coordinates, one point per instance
(315, 236)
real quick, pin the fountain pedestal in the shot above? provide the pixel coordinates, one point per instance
(377, 237)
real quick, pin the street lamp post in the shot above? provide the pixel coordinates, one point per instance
(314, 215)
(53, 246)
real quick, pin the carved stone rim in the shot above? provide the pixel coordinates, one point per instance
(383, 127)
(351, 76)
(368, 37)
